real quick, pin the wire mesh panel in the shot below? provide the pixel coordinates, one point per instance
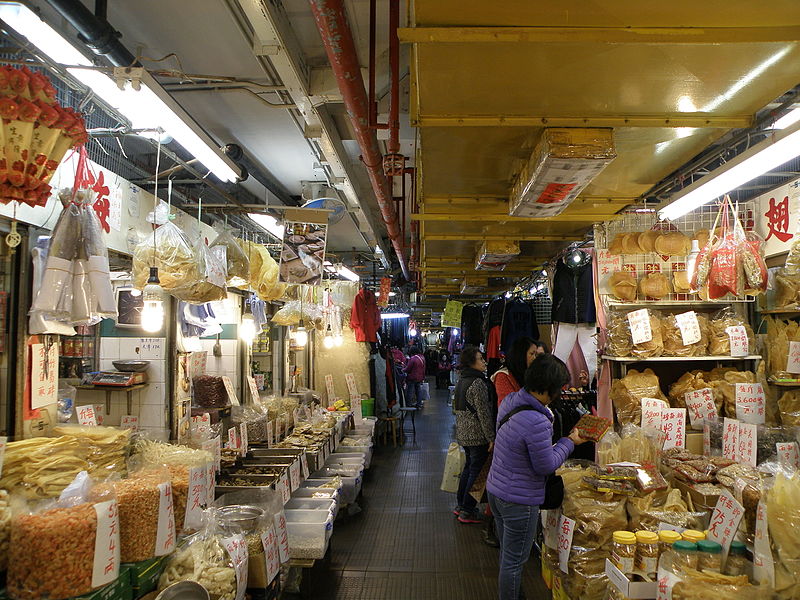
(619, 244)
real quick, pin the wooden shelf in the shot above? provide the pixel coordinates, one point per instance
(635, 359)
(781, 311)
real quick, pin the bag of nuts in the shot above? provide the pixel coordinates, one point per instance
(65, 548)
(146, 521)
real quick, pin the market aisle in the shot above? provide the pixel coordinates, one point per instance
(406, 544)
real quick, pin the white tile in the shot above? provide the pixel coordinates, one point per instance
(153, 348)
(152, 416)
(106, 364)
(229, 347)
(154, 395)
(156, 371)
(109, 348)
(130, 348)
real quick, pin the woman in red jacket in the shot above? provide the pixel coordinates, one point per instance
(509, 379)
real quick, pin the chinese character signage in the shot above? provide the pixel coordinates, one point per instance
(386, 287)
(724, 522)
(777, 216)
(452, 314)
(44, 375)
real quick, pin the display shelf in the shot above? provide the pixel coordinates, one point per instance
(779, 383)
(261, 353)
(669, 303)
(781, 311)
(632, 359)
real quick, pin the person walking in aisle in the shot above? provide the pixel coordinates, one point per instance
(524, 458)
(474, 408)
(511, 377)
(415, 375)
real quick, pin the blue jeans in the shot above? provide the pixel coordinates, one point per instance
(476, 456)
(412, 392)
(516, 530)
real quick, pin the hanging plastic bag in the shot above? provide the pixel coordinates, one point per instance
(57, 277)
(170, 251)
(210, 283)
(237, 263)
(724, 275)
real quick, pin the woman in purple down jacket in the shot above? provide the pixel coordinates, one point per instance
(524, 456)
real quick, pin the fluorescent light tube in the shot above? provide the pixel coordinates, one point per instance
(269, 223)
(151, 107)
(779, 148)
(787, 120)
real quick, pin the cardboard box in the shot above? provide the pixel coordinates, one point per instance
(145, 574)
(701, 501)
(636, 590)
(694, 442)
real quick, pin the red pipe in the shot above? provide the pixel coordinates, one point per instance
(414, 241)
(373, 111)
(394, 67)
(334, 29)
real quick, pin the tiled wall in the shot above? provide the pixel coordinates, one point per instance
(227, 364)
(149, 404)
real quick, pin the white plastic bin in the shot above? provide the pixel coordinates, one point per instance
(318, 493)
(351, 480)
(321, 504)
(351, 461)
(365, 450)
(308, 532)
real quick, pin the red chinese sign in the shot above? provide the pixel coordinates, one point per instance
(778, 219)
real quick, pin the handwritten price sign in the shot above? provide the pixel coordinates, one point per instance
(87, 416)
(793, 362)
(788, 455)
(763, 564)
(652, 410)
(690, 328)
(724, 522)
(566, 528)
(746, 452)
(740, 344)
(750, 402)
(730, 438)
(701, 407)
(639, 322)
(673, 425)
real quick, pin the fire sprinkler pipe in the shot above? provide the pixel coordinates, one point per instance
(337, 37)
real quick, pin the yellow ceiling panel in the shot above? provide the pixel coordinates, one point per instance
(586, 79)
(608, 13)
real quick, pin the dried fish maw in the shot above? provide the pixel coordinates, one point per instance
(647, 240)
(630, 243)
(680, 281)
(623, 285)
(655, 285)
(673, 243)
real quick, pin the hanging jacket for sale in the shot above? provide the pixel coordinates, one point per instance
(519, 321)
(493, 316)
(365, 318)
(573, 294)
(472, 324)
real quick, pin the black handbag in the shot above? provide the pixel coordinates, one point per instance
(554, 484)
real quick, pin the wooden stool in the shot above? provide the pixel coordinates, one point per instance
(390, 422)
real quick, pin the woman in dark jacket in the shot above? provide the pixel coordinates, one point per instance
(474, 407)
(524, 458)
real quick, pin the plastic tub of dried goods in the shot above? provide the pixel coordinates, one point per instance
(365, 450)
(337, 459)
(308, 532)
(323, 493)
(327, 504)
(319, 481)
(351, 480)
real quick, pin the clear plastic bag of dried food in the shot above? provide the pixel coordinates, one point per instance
(253, 419)
(55, 545)
(210, 391)
(673, 337)
(209, 284)
(627, 394)
(719, 343)
(587, 578)
(288, 315)
(145, 530)
(206, 559)
(237, 263)
(708, 585)
(170, 250)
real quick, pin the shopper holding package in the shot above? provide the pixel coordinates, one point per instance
(474, 407)
(524, 458)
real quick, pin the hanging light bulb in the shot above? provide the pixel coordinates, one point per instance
(338, 340)
(412, 332)
(328, 341)
(153, 307)
(300, 336)
(247, 329)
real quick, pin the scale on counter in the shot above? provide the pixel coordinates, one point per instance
(119, 378)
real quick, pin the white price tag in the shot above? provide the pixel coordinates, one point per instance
(129, 422)
(746, 453)
(3, 442)
(706, 439)
(284, 488)
(652, 409)
(233, 438)
(210, 447)
(730, 438)
(737, 336)
(283, 537)
(566, 528)
(86, 415)
(674, 427)
(639, 322)
(355, 405)
(666, 581)
(763, 565)
(700, 406)
(750, 403)
(201, 424)
(269, 540)
(243, 443)
(270, 434)
(165, 535)
(231, 392)
(331, 389)
(218, 451)
(196, 499)
(793, 362)
(788, 455)
(294, 474)
(304, 464)
(44, 375)
(725, 522)
(351, 384)
(550, 520)
(106, 544)
(690, 328)
(251, 383)
(237, 549)
(211, 482)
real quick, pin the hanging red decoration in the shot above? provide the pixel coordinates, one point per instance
(35, 135)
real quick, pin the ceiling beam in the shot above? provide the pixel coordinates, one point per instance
(600, 35)
(506, 218)
(704, 120)
(496, 201)
(488, 237)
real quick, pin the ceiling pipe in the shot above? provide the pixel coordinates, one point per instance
(96, 33)
(261, 175)
(337, 37)
(394, 68)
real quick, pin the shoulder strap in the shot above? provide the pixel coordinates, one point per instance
(512, 412)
